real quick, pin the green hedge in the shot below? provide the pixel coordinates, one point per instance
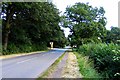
(23, 48)
(106, 58)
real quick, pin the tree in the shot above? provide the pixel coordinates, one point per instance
(10, 10)
(85, 22)
(30, 23)
(113, 35)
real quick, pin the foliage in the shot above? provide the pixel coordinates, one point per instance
(106, 58)
(113, 35)
(85, 22)
(30, 24)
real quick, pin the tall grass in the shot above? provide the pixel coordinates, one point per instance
(86, 67)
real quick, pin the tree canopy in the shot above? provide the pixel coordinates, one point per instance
(31, 23)
(113, 35)
(85, 22)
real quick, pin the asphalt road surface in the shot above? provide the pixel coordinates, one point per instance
(29, 66)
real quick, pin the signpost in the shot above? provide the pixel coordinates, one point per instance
(51, 44)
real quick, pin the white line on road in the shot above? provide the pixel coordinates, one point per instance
(25, 60)
(48, 53)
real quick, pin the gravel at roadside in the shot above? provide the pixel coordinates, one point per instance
(66, 68)
(71, 70)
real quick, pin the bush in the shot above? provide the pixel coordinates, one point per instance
(12, 48)
(37, 47)
(106, 58)
(23, 48)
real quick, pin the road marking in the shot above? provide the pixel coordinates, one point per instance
(32, 58)
(52, 52)
(44, 54)
(25, 60)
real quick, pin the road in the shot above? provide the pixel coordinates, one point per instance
(30, 66)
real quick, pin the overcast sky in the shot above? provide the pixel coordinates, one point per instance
(110, 7)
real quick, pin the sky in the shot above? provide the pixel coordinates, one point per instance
(110, 7)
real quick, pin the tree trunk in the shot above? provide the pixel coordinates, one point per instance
(9, 15)
(6, 35)
(5, 41)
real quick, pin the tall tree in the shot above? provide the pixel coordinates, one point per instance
(9, 12)
(85, 22)
(30, 23)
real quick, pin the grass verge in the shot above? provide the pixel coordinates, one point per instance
(86, 67)
(20, 54)
(51, 68)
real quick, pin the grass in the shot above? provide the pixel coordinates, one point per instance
(86, 67)
(51, 68)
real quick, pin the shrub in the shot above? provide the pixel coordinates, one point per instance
(23, 48)
(106, 58)
(12, 48)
